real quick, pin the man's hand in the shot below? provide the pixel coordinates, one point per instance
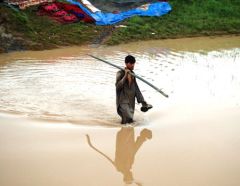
(127, 71)
(145, 106)
(144, 103)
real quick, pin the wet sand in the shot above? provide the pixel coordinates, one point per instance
(190, 139)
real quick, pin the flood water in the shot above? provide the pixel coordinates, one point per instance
(59, 126)
(67, 85)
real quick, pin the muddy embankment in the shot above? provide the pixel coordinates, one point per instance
(24, 30)
(9, 41)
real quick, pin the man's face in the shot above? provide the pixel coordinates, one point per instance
(130, 66)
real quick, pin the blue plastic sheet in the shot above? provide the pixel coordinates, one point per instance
(101, 18)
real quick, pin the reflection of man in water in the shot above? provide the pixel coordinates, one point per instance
(127, 89)
(126, 149)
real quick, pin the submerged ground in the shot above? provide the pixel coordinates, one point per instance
(25, 30)
(58, 123)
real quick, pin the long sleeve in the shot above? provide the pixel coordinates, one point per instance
(139, 95)
(120, 80)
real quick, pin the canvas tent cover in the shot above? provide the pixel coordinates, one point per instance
(108, 12)
(121, 9)
(119, 5)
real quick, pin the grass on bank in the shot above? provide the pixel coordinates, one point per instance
(43, 32)
(187, 18)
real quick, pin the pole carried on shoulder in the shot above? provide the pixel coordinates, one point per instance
(151, 85)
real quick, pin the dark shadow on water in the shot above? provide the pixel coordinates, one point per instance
(126, 149)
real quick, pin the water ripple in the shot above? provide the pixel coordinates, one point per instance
(80, 88)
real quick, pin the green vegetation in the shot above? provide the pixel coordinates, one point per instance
(40, 32)
(188, 18)
(47, 31)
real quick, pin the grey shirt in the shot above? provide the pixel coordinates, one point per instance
(126, 93)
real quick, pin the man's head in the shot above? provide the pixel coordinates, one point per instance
(130, 62)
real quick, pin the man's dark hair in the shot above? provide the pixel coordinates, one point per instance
(130, 59)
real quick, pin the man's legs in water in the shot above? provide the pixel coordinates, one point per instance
(126, 113)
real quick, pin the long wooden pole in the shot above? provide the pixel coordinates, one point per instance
(151, 85)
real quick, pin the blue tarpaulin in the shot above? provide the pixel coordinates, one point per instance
(102, 18)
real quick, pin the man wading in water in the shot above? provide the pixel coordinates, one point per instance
(127, 89)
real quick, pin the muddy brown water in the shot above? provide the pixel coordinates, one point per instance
(58, 123)
(67, 85)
